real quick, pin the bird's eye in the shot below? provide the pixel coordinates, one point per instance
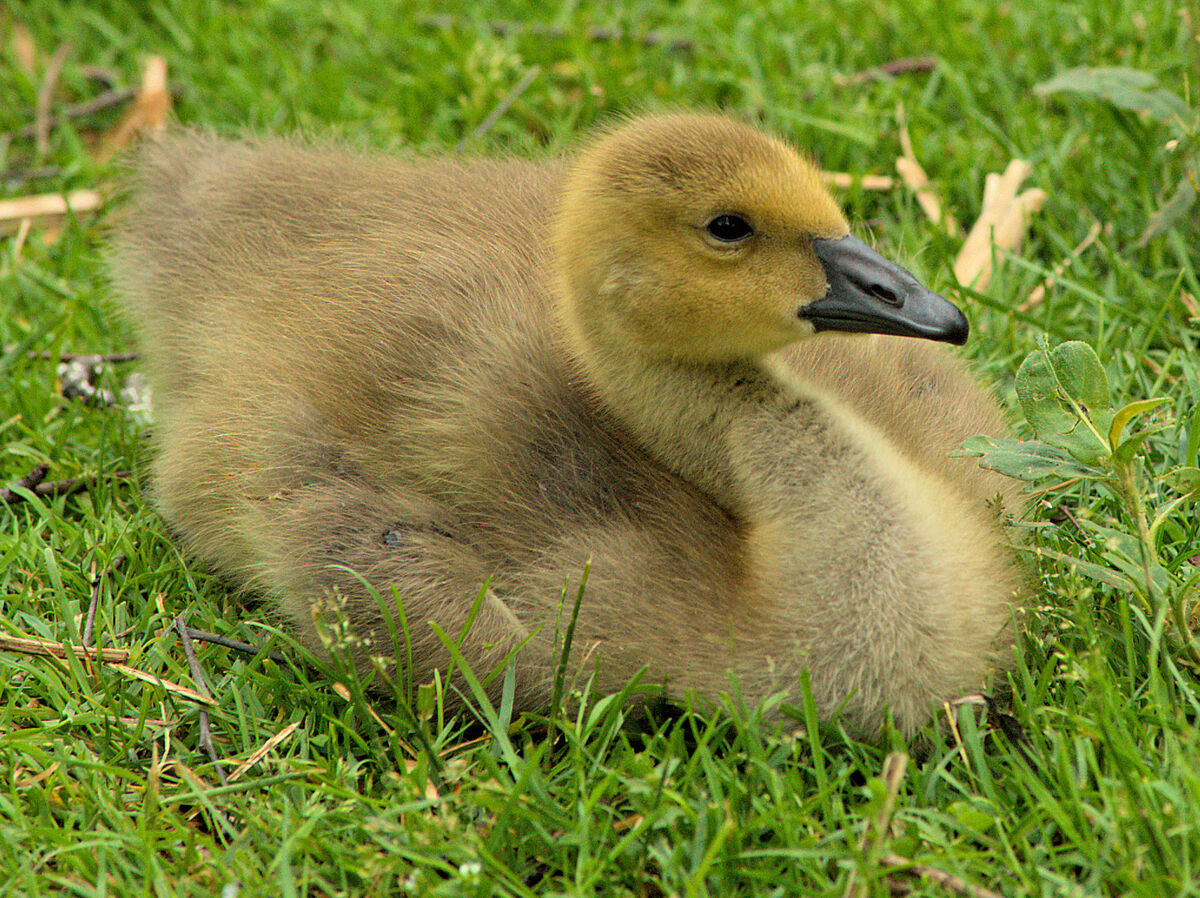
(729, 228)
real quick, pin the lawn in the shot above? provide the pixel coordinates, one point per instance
(1085, 778)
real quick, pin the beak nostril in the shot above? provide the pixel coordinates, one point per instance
(884, 293)
(867, 293)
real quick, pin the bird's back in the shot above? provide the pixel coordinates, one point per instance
(311, 315)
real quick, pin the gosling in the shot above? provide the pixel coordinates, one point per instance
(411, 401)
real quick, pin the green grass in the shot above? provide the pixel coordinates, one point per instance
(99, 797)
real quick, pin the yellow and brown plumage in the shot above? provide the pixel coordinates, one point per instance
(444, 372)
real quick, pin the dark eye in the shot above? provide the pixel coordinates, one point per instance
(729, 228)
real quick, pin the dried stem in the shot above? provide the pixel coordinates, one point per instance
(46, 648)
(890, 70)
(46, 97)
(66, 487)
(503, 29)
(502, 107)
(235, 644)
(845, 180)
(46, 205)
(282, 736)
(98, 103)
(876, 832)
(1038, 295)
(90, 624)
(202, 687)
(87, 358)
(914, 177)
(29, 482)
(955, 884)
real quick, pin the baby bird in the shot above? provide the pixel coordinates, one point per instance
(404, 397)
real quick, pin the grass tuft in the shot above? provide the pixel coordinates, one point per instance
(104, 789)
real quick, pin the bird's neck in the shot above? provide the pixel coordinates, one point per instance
(728, 428)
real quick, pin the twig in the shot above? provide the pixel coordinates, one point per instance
(845, 180)
(1037, 494)
(1087, 540)
(67, 487)
(41, 118)
(914, 177)
(908, 64)
(89, 625)
(1038, 294)
(98, 103)
(502, 107)
(30, 482)
(99, 74)
(50, 649)
(43, 205)
(87, 358)
(202, 687)
(955, 884)
(235, 644)
(503, 29)
(889, 70)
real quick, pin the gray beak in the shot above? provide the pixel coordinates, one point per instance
(871, 294)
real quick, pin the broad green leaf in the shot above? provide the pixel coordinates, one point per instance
(1185, 481)
(1096, 80)
(1092, 571)
(1124, 414)
(1130, 89)
(1116, 543)
(1160, 577)
(1127, 412)
(1123, 551)
(1126, 451)
(1024, 459)
(1176, 208)
(1064, 394)
(1080, 373)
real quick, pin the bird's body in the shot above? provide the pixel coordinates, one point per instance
(438, 374)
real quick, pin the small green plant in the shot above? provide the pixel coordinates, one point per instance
(1065, 397)
(1138, 92)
